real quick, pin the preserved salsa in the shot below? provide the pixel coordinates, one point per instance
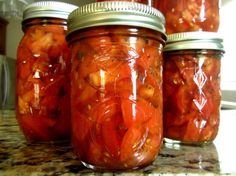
(191, 88)
(43, 68)
(116, 99)
(193, 15)
(116, 92)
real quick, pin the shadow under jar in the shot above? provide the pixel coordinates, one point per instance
(43, 68)
(187, 16)
(191, 87)
(116, 84)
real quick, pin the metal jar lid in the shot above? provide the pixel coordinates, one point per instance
(116, 13)
(194, 40)
(48, 9)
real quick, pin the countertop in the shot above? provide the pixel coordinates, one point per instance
(18, 158)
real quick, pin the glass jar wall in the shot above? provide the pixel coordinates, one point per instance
(187, 16)
(192, 87)
(43, 68)
(116, 86)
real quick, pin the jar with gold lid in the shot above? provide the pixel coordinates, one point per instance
(43, 68)
(191, 87)
(116, 81)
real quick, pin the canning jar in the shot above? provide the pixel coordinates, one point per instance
(152, 3)
(116, 79)
(191, 87)
(190, 15)
(43, 68)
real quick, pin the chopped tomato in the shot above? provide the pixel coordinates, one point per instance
(24, 65)
(85, 63)
(37, 128)
(192, 102)
(81, 131)
(95, 154)
(154, 124)
(194, 129)
(132, 112)
(136, 111)
(113, 131)
(185, 16)
(43, 82)
(133, 141)
(148, 57)
(85, 91)
(115, 92)
(105, 110)
(139, 147)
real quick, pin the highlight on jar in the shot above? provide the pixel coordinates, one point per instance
(43, 68)
(191, 87)
(116, 93)
(187, 16)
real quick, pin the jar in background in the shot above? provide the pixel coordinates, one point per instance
(43, 68)
(152, 3)
(116, 93)
(191, 87)
(187, 16)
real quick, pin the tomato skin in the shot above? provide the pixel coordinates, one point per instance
(116, 130)
(191, 96)
(33, 127)
(186, 16)
(114, 90)
(43, 87)
(132, 113)
(136, 112)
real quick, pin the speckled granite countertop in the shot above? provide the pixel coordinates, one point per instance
(17, 158)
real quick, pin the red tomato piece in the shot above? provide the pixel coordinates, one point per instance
(146, 154)
(139, 147)
(155, 123)
(105, 110)
(185, 16)
(182, 99)
(136, 111)
(37, 128)
(95, 155)
(24, 63)
(113, 131)
(133, 141)
(194, 128)
(85, 92)
(81, 132)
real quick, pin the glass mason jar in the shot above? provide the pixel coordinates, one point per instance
(152, 3)
(187, 16)
(43, 68)
(116, 93)
(191, 87)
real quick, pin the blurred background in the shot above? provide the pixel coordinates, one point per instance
(11, 34)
